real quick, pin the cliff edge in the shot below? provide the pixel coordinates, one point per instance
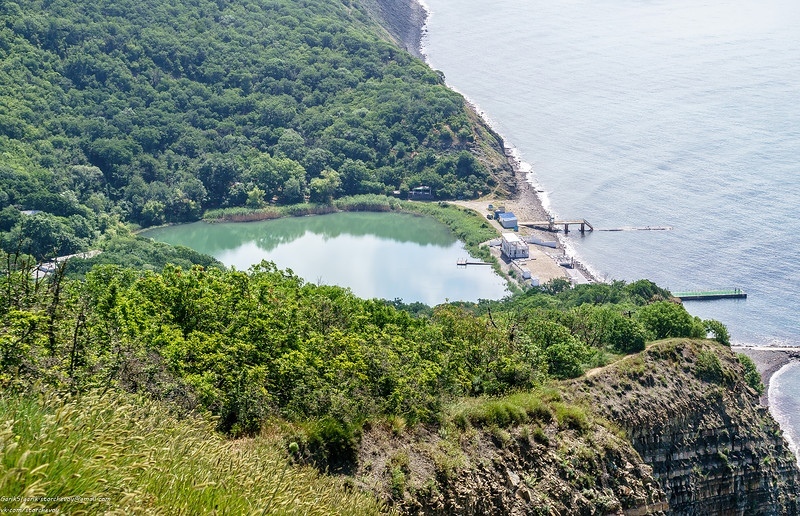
(403, 19)
(672, 430)
(686, 410)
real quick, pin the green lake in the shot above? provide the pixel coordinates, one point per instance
(383, 255)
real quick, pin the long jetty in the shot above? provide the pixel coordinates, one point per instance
(552, 224)
(707, 295)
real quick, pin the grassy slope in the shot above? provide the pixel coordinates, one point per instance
(136, 457)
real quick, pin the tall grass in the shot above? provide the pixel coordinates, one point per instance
(241, 214)
(543, 405)
(367, 202)
(504, 411)
(117, 454)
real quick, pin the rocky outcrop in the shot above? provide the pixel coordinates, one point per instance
(528, 469)
(713, 448)
(403, 19)
(672, 430)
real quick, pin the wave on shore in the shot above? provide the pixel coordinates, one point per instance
(785, 406)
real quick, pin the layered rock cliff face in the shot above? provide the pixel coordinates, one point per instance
(543, 467)
(673, 430)
(712, 447)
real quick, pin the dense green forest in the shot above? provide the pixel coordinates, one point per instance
(248, 346)
(151, 112)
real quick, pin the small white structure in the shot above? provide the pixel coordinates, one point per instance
(513, 246)
(507, 219)
(523, 271)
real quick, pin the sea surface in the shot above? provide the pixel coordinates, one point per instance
(632, 113)
(383, 255)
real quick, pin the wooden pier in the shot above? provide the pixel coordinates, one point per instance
(707, 295)
(552, 224)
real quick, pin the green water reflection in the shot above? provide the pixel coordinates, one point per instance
(386, 255)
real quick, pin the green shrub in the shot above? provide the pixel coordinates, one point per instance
(708, 367)
(331, 443)
(719, 331)
(665, 319)
(571, 416)
(566, 358)
(626, 335)
(540, 437)
(751, 374)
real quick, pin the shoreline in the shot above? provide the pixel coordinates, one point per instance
(768, 361)
(527, 203)
(404, 20)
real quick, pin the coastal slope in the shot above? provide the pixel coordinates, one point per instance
(687, 412)
(403, 19)
(672, 430)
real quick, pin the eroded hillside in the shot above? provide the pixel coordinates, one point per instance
(672, 430)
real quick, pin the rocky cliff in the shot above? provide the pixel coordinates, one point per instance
(672, 430)
(403, 19)
(713, 448)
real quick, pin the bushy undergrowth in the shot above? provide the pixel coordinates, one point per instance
(751, 374)
(119, 454)
(708, 367)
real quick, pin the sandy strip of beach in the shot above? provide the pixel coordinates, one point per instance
(527, 206)
(768, 360)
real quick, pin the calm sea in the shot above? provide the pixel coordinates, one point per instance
(680, 113)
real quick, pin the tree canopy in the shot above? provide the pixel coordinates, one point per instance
(153, 112)
(248, 346)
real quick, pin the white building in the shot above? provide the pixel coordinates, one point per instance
(513, 246)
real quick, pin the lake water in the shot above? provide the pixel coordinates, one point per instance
(384, 255)
(677, 113)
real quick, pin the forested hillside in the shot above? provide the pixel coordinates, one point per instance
(151, 112)
(248, 346)
(311, 367)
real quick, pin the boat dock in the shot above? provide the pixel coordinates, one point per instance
(463, 262)
(552, 224)
(703, 295)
